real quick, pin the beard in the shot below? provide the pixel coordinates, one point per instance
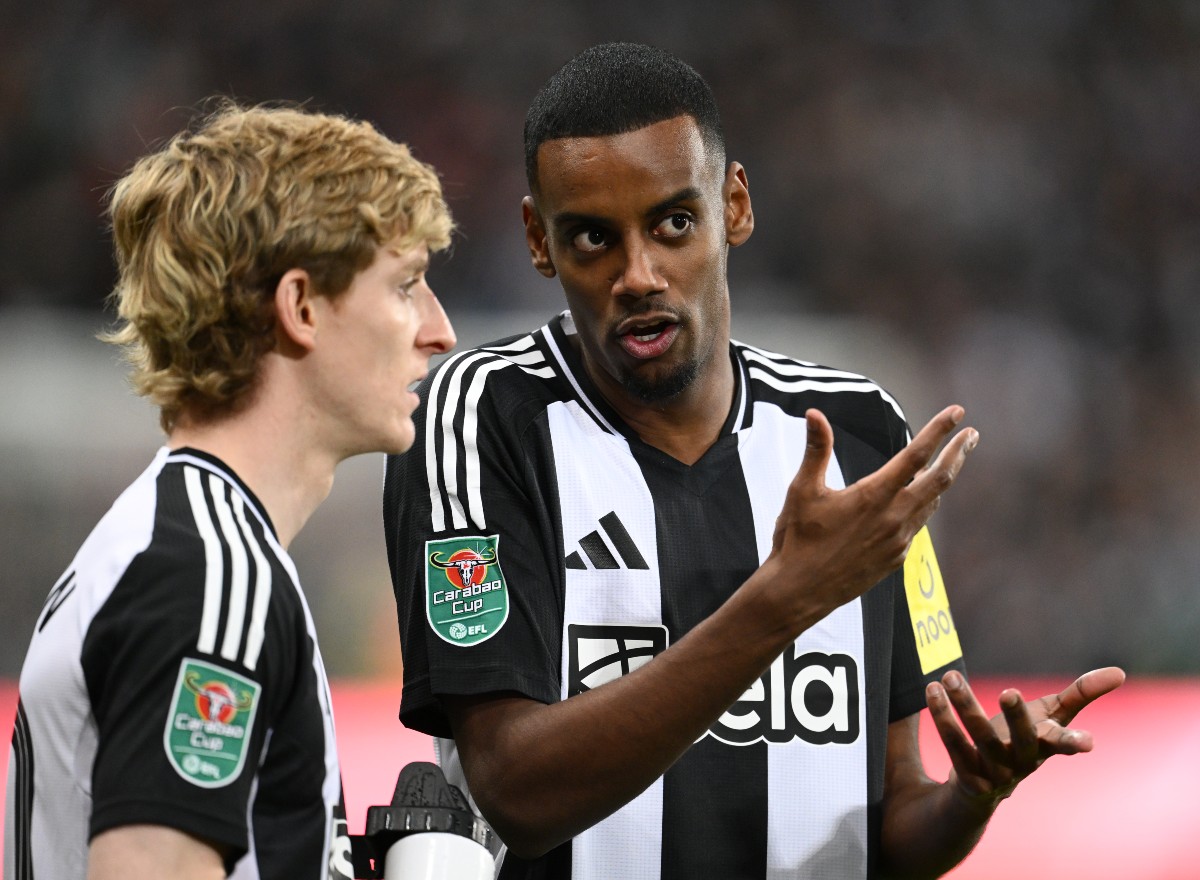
(659, 389)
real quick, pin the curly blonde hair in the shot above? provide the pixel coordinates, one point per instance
(206, 227)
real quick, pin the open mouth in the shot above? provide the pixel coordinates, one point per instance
(648, 334)
(649, 340)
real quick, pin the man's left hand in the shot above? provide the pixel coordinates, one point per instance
(990, 756)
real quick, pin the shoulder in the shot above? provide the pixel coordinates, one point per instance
(504, 379)
(852, 402)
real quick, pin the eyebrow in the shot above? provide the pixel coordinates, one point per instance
(688, 193)
(416, 268)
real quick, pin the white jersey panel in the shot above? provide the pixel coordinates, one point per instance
(62, 726)
(823, 832)
(600, 493)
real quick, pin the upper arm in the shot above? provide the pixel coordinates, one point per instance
(133, 852)
(489, 732)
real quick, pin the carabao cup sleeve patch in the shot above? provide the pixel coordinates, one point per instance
(928, 606)
(209, 724)
(466, 597)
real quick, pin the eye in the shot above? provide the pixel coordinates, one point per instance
(408, 286)
(589, 240)
(676, 225)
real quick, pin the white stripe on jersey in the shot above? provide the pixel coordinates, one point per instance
(213, 558)
(566, 371)
(629, 842)
(823, 833)
(781, 366)
(262, 588)
(239, 570)
(516, 354)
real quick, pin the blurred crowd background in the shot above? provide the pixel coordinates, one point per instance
(995, 203)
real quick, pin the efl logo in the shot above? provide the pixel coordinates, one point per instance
(813, 697)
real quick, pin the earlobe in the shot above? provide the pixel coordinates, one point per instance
(739, 214)
(295, 311)
(535, 238)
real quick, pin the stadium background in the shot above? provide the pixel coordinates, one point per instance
(994, 203)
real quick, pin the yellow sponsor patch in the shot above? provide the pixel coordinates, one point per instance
(928, 606)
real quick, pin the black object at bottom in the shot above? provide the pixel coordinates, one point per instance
(423, 801)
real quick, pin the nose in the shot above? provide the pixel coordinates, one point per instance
(639, 276)
(436, 334)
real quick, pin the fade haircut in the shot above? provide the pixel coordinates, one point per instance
(615, 88)
(205, 228)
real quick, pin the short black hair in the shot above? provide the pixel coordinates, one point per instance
(615, 88)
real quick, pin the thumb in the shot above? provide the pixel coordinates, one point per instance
(817, 453)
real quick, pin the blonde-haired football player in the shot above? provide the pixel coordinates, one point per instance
(174, 718)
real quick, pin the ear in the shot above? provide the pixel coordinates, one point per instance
(295, 310)
(535, 237)
(739, 215)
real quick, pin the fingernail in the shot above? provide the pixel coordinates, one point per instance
(953, 681)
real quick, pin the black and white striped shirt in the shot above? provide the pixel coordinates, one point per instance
(538, 545)
(174, 679)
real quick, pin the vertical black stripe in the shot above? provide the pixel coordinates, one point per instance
(23, 768)
(622, 541)
(714, 820)
(593, 545)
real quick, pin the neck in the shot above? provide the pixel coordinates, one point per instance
(272, 455)
(686, 426)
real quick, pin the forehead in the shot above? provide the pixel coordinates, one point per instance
(605, 176)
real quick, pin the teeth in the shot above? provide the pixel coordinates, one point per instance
(646, 337)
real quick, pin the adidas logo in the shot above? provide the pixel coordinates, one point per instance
(600, 552)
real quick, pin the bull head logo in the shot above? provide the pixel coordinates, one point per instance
(470, 565)
(216, 700)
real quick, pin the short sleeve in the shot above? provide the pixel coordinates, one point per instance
(180, 732)
(472, 551)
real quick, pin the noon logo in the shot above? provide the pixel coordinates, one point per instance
(466, 598)
(928, 606)
(208, 727)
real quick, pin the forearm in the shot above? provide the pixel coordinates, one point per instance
(928, 827)
(932, 832)
(542, 774)
(151, 852)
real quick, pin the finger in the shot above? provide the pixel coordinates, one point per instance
(963, 755)
(1055, 740)
(934, 480)
(1088, 687)
(1024, 748)
(974, 719)
(914, 457)
(817, 452)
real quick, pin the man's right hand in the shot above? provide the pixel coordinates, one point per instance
(844, 541)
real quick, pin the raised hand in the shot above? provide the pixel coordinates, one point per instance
(845, 540)
(990, 756)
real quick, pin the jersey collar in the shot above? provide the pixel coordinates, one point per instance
(558, 332)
